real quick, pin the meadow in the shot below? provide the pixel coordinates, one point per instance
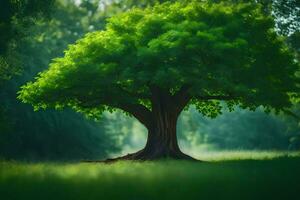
(225, 175)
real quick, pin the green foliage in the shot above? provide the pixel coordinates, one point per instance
(219, 49)
(29, 135)
(50, 135)
(15, 18)
(6, 70)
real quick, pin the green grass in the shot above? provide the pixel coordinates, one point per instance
(244, 155)
(233, 177)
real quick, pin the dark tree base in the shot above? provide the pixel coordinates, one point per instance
(143, 155)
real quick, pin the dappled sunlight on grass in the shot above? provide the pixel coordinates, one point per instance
(240, 177)
(244, 155)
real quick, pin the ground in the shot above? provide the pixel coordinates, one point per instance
(230, 175)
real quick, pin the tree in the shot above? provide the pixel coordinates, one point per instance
(15, 18)
(153, 63)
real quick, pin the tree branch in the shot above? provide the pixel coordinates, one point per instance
(216, 97)
(182, 98)
(139, 111)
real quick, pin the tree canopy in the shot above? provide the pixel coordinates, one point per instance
(201, 53)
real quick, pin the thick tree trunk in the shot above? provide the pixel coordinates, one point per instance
(161, 142)
(162, 139)
(161, 124)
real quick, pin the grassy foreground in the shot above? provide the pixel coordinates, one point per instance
(277, 177)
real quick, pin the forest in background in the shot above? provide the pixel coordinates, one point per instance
(41, 33)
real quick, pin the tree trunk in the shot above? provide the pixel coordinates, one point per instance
(162, 139)
(161, 142)
(161, 123)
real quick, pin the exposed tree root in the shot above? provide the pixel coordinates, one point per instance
(144, 155)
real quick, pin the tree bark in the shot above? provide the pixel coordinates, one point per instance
(161, 123)
(161, 141)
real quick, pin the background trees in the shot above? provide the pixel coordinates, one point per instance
(15, 18)
(29, 135)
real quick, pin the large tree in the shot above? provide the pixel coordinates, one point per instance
(155, 62)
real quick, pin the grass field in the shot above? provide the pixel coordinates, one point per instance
(229, 175)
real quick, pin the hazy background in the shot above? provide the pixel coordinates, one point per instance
(65, 135)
